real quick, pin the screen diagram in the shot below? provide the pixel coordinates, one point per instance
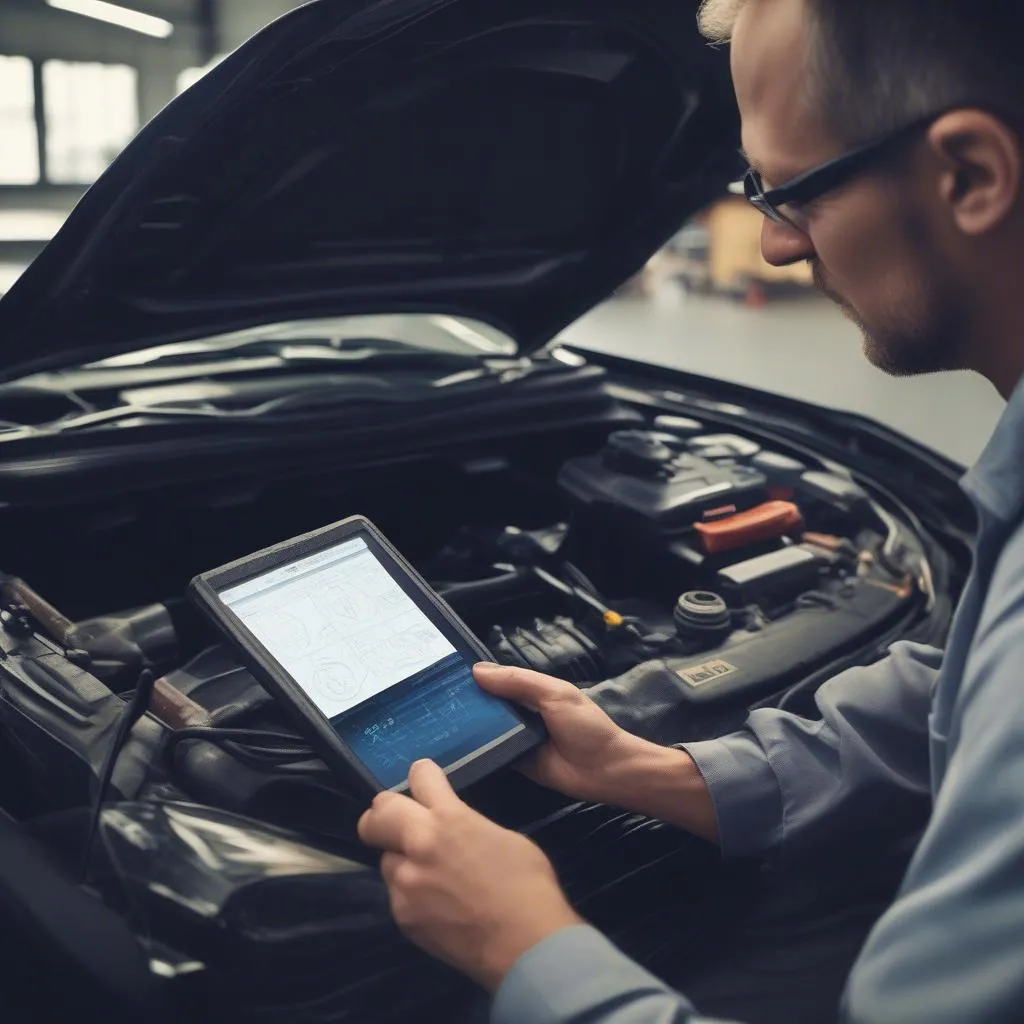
(340, 625)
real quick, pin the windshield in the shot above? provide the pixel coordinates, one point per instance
(418, 332)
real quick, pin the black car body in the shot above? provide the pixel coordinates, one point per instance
(214, 354)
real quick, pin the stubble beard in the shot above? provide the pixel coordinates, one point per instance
(927, 341)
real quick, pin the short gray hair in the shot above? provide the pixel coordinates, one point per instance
(879, 64)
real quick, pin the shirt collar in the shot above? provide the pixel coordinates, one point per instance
(996, 481)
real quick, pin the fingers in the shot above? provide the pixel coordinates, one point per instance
(522, 684)
(390, 821)
(393, 820)
(389, 865)
(430, 786)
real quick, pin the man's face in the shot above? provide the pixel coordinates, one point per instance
(877, 247)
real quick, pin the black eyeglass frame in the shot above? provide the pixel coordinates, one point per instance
(814, 183)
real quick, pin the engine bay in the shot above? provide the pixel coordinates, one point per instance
(680, 575)
(680, 571)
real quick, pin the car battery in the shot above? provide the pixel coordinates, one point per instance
(641, 473)
(643, 491)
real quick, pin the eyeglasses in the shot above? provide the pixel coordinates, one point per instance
(782, 204)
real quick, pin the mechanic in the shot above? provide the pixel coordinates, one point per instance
(918, 238)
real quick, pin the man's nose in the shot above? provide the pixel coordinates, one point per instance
(782, 244)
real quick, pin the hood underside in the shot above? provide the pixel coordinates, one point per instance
(508, 160)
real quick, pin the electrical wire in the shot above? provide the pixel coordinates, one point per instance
(132, 712)
(581, 580)
(888, 553)
(244, 744)
(569, 590)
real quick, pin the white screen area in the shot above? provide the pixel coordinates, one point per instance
(339, 624)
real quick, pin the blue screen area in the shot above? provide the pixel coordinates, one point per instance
(439, 713)
(392, 685)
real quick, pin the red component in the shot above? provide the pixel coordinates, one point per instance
(766, 522)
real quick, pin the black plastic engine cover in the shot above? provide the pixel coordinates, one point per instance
(671, 700)
(670, 490)
(634, 497)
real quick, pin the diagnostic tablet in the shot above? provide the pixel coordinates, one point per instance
(379, 669)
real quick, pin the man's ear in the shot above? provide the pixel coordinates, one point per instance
(980, 168)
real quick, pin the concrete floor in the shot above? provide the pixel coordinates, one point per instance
(802, 348)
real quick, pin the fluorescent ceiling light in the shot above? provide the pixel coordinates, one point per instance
(147, 24)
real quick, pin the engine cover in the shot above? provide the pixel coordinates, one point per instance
(649, 475)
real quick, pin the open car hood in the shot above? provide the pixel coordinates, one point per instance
(507, 160)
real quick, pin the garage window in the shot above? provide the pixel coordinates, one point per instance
(19, 153)
(91, 113)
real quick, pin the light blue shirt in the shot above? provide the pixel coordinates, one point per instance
(951, 947)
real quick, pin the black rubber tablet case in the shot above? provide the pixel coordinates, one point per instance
(204, 590)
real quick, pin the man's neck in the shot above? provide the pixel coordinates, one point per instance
(998, 349)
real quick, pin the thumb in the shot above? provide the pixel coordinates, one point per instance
(429, 785)
(522, 684)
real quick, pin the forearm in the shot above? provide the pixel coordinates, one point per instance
(663, 783)
(578, 977)
(785, 781)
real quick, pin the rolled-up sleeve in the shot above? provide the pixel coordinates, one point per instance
(786, 784)
(578, 977)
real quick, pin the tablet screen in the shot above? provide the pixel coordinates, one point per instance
(392, 685)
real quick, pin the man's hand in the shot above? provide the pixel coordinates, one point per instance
(585, 746)
(462, 888)
(589, 757)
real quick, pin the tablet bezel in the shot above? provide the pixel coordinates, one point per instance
(205, 591)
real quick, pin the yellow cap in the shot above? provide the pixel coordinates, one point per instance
(612, 619)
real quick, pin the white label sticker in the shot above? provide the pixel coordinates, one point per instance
(701, 675)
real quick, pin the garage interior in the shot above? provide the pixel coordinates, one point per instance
(78, 77)
(297, 449)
